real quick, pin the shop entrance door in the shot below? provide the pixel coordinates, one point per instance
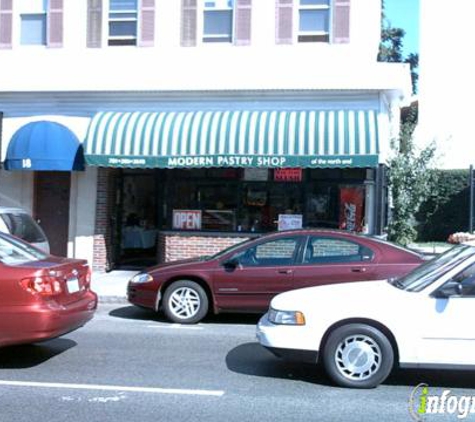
(51, 207)
(136, 222)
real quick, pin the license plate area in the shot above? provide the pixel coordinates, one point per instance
(73, 285)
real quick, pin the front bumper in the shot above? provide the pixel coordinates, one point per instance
(287, 341)
(143, 294)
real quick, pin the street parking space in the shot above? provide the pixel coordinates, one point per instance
(127, 363)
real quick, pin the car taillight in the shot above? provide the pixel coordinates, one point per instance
(44, 286)
(88, 278)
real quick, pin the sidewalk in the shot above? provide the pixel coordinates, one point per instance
(111, 287)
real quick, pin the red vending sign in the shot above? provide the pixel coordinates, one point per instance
(351, 208)
(288, 175)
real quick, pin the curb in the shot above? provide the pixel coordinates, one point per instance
(113, 299)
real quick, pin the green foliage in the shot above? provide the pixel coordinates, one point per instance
(413, 60)
(411, 181)
(446, 209)
(390, 49)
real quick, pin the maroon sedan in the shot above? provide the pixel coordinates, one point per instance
(244, 278)
(41, 296)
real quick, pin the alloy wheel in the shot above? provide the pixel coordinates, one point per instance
(184, 303)
(358, 357)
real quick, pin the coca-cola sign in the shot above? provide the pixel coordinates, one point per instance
(351, 208)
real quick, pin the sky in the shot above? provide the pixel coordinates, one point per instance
(405, 14)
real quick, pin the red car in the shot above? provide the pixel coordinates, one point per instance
(41, 296)
(246, 277)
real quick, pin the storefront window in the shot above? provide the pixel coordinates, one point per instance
(236, 200)
(322, 205)
(263, 202)
(228, 201)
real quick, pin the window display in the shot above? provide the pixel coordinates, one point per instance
(230, 202)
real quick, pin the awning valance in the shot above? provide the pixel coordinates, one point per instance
(169, 139)
(44, 145)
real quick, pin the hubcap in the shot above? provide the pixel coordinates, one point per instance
(358, 357)
(184, 303)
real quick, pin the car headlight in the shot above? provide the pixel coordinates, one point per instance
(286, 317)
(141, 278)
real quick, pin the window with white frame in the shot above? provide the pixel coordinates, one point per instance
(218, 21)
(123, 16)
(314, 21)
(33, 22)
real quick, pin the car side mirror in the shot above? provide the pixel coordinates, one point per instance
(452, 288)
(231, 264)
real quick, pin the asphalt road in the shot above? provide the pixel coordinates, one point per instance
(130, 365)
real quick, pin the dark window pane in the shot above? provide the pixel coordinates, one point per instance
(122, 29)
(218, 24)
(314, 38)
(120, 42)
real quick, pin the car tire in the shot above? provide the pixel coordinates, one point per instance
(185, 302)
(358, 356)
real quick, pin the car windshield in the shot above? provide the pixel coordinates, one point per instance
(432, 270)
(229, 249)
(15, 252)
(23, 226)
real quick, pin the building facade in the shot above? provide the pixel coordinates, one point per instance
(139, 131)
(445, 83)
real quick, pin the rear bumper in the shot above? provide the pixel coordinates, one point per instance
(45, 320)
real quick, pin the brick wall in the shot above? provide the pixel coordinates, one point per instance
(102, 233)
(173, 247)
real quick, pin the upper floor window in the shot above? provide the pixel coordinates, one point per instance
(314, 21)
(33, 22)
(218, 21)
(123, 16)
(215, 21)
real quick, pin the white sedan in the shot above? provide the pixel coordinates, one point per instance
(360, 331)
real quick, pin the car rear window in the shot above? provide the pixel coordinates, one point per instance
(321, 250)
(23, 226)
(15, 252)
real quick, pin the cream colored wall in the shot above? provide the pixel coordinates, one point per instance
(166, 66)
(17, 187)
(446, 88)
(82, 214)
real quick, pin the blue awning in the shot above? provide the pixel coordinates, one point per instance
(44, 145)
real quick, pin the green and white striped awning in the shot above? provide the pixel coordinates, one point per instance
(181, 139)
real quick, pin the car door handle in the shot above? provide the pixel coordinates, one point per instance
(358, 270)
(284, 271)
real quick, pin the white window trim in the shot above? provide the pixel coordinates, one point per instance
(200, 24)
(296, 17)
